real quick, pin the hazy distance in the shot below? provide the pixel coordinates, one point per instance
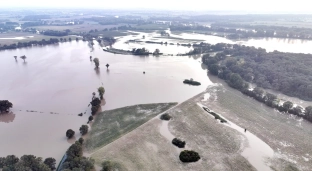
(249, 6)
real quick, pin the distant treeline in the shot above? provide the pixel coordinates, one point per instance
(55, 33)
(31, 43)
(112, 20)
(35, 17)
(288, 73)
(237, 31)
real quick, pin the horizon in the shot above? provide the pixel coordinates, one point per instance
(239, 6)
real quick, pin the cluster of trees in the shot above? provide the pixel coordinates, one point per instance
(286, 72)
(26, 163)
(75, 160)
(179, 143)
(5, 106)
(140, 51)
(101, 91)
(55, 33)
(189, 156)
(271, 100)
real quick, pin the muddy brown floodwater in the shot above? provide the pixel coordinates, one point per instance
(56, 82)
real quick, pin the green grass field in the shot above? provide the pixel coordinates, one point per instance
(112, 124)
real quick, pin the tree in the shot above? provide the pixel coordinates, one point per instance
(95, 102)
(5, 106)
(84, 129)
(156, 52)
(81, 140)
(287, 105)
(50, 162)
(101, 91)
(15, 58)
(96, 62)
(179, 143)
(70, 133)
(70, 39)
(75, 150)
(107, 65)
(90, 118)
(23, 57)
(189, 156)
(308, 113)
(214, 69)
(11, 160)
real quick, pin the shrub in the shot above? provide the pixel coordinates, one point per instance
(81, 140)
(179, 143)
(84, 129)
(189, 156)
(165, 116)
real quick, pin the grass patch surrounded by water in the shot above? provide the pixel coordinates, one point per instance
(112, 124)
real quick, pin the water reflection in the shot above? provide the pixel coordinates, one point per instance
(71, 140)
(7, 117)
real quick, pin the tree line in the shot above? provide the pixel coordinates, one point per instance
(288, 73)
(26, 163)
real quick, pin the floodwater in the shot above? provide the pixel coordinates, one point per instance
(270, 44)
(56, 82)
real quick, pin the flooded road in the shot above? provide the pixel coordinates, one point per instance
(56, 82)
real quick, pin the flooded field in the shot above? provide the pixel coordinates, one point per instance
(55, 84)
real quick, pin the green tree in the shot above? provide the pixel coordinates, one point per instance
(50, 162)
(70, 133)
(90, 118)
(101, 91)
(84, 129)
(5, 106)
(287, 105)
(96, 62)
(81, 140)
(214, 69)
(23, 57)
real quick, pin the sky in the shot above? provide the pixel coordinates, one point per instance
(300, 6)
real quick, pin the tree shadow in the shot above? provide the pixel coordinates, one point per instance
(107, 71)
(71, 140)
(7, 117)
(25, 63)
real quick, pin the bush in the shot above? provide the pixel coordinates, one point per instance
(5, 105)
(165, 116)
(84, 129)
(189, 156)
(70, 133)
(81, 140)
(179, 143)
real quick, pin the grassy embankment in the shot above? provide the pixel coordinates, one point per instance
(146, 148)
(112, 124)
